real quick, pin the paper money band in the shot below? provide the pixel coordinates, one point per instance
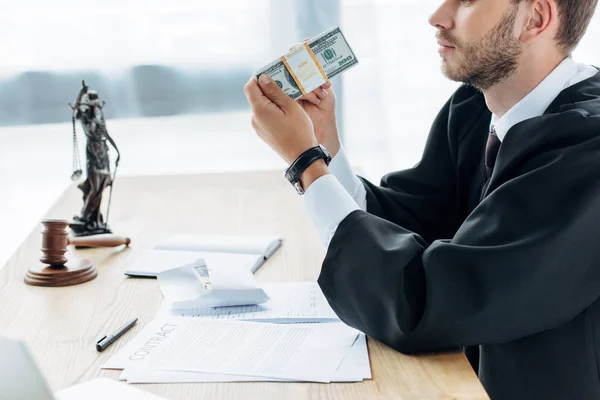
(305, 69)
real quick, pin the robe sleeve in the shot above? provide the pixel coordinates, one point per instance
(527, 259)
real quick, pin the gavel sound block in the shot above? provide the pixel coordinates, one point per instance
(59, 271)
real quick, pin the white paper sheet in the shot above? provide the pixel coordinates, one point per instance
(304, 352)
(219, 243)
(103, 389)
(354, 368)
(152, 262)
(356, 365)
(291, 302)
(159, 376)
(310, 352)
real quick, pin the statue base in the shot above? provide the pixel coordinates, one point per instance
(81, 228)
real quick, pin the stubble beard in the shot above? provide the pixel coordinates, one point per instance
(488, 61)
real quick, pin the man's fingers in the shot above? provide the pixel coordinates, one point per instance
(298, 44)
(326, 85)
(255, 95)
(312, 98)
(321, 93)
(316, 96)
(255, 125)
(273, 92)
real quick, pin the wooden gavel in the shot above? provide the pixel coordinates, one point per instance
(55, 240)
(56, 269)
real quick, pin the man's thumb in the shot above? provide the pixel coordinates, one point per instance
(274, 93)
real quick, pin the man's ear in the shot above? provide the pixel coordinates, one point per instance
(541, 15)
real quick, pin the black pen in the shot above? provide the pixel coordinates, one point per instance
(109, 339)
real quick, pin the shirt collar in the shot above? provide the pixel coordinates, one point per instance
(538, 100)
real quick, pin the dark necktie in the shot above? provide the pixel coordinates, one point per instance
(491, 152)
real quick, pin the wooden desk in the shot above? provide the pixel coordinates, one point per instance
(61, 325)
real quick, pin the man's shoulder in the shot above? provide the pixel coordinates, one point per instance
(565, 136)
(583, 97)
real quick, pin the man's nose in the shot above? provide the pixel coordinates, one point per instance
(442, 18)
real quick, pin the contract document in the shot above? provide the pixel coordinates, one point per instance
(355, 367)
(306, 352)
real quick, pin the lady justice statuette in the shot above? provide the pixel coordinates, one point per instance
(88, 111)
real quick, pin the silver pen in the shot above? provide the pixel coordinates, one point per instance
(109, 339)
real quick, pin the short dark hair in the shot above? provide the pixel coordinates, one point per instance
(575, 16)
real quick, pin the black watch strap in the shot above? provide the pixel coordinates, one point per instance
(305, 160)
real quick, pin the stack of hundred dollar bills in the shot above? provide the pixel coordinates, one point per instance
(331, 51)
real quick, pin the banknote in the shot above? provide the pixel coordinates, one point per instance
(331, 51)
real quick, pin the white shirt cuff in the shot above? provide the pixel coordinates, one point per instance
(341, 168)
(327, 203)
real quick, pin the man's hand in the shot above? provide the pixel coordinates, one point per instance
(278, 119)
(320, 107)
(321, 110)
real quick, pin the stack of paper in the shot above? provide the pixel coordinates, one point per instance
(354, 367)
(223, 345)
(263, 245)
(218, 251)
(150, 263)
(298, 352)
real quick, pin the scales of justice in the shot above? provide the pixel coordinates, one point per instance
(89, 228)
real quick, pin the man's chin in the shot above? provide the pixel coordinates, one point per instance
(449, 72)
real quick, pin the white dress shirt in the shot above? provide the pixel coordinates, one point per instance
(332, 197)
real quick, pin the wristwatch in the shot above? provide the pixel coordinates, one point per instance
(305, 160)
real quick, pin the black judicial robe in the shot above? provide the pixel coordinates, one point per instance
(507, 269)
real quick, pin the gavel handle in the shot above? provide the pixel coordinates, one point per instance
(104, 240)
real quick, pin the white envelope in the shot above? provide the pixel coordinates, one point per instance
(198, 285)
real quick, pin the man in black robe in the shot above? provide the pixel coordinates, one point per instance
(492, 242)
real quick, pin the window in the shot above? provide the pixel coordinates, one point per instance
(392, 98)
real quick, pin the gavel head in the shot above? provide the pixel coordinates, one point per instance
(54, 242)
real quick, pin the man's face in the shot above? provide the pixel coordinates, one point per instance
(478, 40)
